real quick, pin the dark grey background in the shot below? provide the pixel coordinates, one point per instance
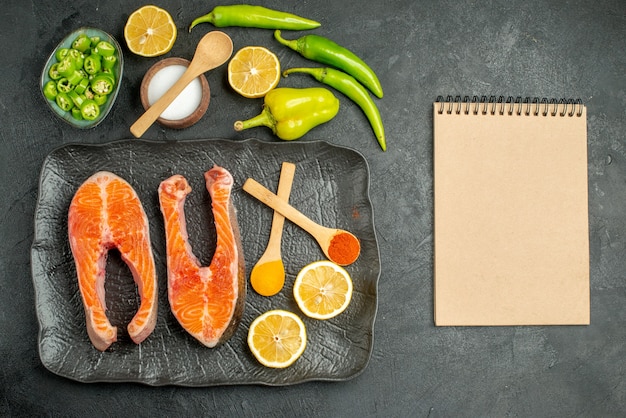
(420, 50)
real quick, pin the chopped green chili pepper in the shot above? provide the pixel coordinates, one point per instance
(105, 48)
(54, 71)
(89, 93)
(66, 67)
(82, 86)
(248, 16)
(75, 78)
(347, 85)
(61, 53)
(76, 113)
(50, 90)
(82, 43)
(290, 113)
(109, 62)
(323, 50)
(64, 101)
(100, 99)
(89, 110)
(102, 84)
(82, 77)
(76, 98)
(64, 85)
(92, 64)
(77, 56)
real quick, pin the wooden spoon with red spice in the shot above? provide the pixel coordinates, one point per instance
(341, 247)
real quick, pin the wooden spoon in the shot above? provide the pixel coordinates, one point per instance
(268, 275)
(213, 50)
(341, 247)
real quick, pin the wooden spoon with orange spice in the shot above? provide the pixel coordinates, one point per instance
(340, 246)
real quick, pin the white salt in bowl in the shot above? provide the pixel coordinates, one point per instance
(190, 105)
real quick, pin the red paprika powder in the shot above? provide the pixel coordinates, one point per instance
(344, 248)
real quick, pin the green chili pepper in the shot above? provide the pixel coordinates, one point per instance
(89, 110)
(323, 50)
(100, 99)
(347, 85)
(83, 77)
(248, 16)
(76, 98)
(89, 93)
(82, 43)
(76, 113)
(290, 113)
(64, 85)
(66, 66)
(77, 56)
(50, 90)
(64, 101)
(54, 71)
(109, 62)
(61, 53)
(76, 77)
(92, 64)
(103, 83)
(105, 48)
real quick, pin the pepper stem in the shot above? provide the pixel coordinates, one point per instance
(293, 44)
(265, 118)
(317, 73)
(207, 18)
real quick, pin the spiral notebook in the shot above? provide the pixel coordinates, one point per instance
(511, 244)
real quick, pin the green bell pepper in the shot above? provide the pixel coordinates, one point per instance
(290, 113)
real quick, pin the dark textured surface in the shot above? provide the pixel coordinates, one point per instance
(420, 50)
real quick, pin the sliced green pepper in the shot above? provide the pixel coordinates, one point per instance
(109, 62)
(76, 113)
(102, 84)
(64, 85)
(75, 78)
(77, 56)
(54, 71)
(290, 113)
(64, 101)
(89, 92)
(106, 49)
(81, 43)
(92, 64)
(67, 66)
(82, 86)
(61, 53)
(76, 98)
(50, 90)
(89, 110)
(100, 99)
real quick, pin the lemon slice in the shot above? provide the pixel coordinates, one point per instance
(322, 289)
(150, 31)
(253, 71)
(277, 338)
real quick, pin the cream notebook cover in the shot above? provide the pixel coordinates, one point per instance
(511, 242)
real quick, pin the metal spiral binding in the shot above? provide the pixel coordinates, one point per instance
(492, 105)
